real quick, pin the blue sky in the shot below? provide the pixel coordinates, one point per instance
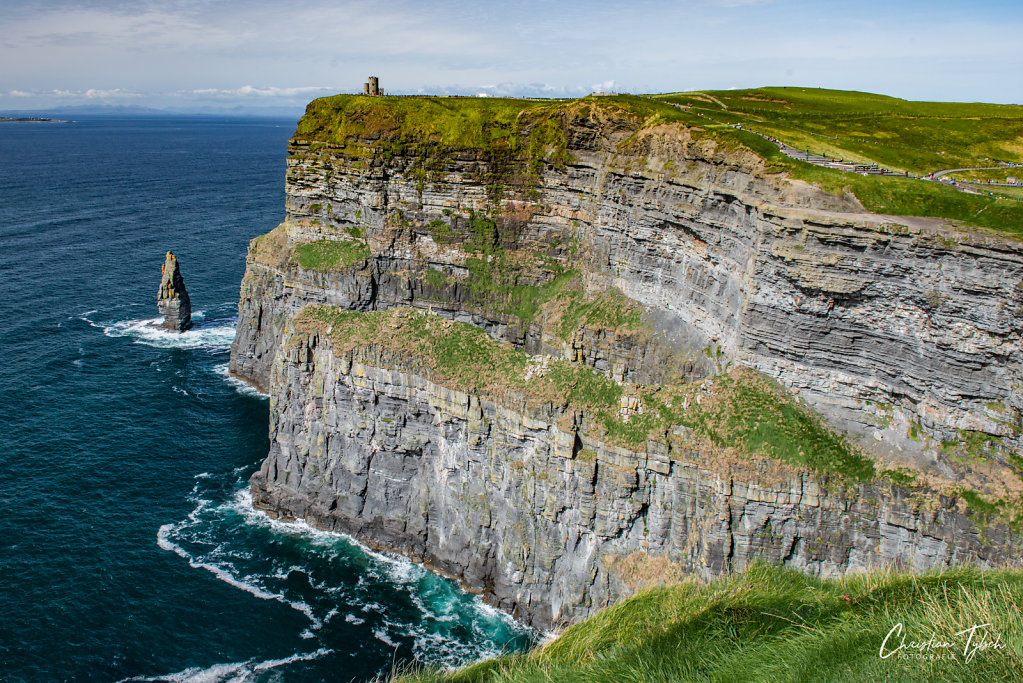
(222, 54)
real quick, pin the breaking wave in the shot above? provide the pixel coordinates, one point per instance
(236, 672)
(213, 335)
(336, 583)
(241, 387)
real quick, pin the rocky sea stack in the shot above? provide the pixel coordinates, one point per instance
(172, 301)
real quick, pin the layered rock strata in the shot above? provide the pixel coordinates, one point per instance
(547, 521)
(172, 300)
(890, 326)
(903, 332)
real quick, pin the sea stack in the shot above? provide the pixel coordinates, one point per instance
(172, 301)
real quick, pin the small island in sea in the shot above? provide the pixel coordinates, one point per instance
(29, 119)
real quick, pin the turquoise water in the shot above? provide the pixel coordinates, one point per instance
(128, 549)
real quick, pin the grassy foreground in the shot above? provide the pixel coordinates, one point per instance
(775, 624)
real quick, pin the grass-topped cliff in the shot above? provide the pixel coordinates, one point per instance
(918, 137)
(772, 624)
(560, 348)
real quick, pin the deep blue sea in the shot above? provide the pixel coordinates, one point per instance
(128, 549)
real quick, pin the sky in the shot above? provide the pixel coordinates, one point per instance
(274, 56)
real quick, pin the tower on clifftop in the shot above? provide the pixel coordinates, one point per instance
(372, 87)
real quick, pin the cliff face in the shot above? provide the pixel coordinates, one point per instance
(651, 255)
(549, 521)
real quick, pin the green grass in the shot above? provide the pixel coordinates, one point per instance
(775, 624)
(1015, 193)
(897, 196)
(497, 127)
(499, 284)
(611, 311)
(467, 123)
(324, 255)
(767, 422)
(500, 280)
(997, 175)
(919, 137)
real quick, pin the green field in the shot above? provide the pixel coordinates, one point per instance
(917, 137)
(920, 137)
(775, 624)
(997, 175)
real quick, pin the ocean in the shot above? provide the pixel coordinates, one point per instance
(128, 548)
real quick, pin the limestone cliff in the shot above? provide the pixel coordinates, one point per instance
(652, 253)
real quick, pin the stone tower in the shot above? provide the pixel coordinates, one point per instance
(172, 301)
(372, 87)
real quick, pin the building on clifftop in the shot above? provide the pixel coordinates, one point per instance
(372, 87)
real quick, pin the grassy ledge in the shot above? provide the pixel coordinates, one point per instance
(741, 414)
(273, 249)
(732, 418)
(775, 624)
(323, 255)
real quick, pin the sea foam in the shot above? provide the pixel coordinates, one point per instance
(213, 335)
(241, 387)
(406, 575)
(217, 537)
(239, 672)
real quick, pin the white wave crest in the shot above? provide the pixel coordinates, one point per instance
(240, 386)
(398, 570)
(234, 672)
(381, 635)
(216, 335)
(222, 572)
(399, 566)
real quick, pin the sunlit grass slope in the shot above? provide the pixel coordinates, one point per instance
(921, 137)
(774, 624)
(901, 135)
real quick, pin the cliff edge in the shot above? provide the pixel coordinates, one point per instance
(703, 361)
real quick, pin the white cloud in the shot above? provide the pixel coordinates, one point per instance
(66, 94)
(173, 51)
(269, 91)
(96, 93)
